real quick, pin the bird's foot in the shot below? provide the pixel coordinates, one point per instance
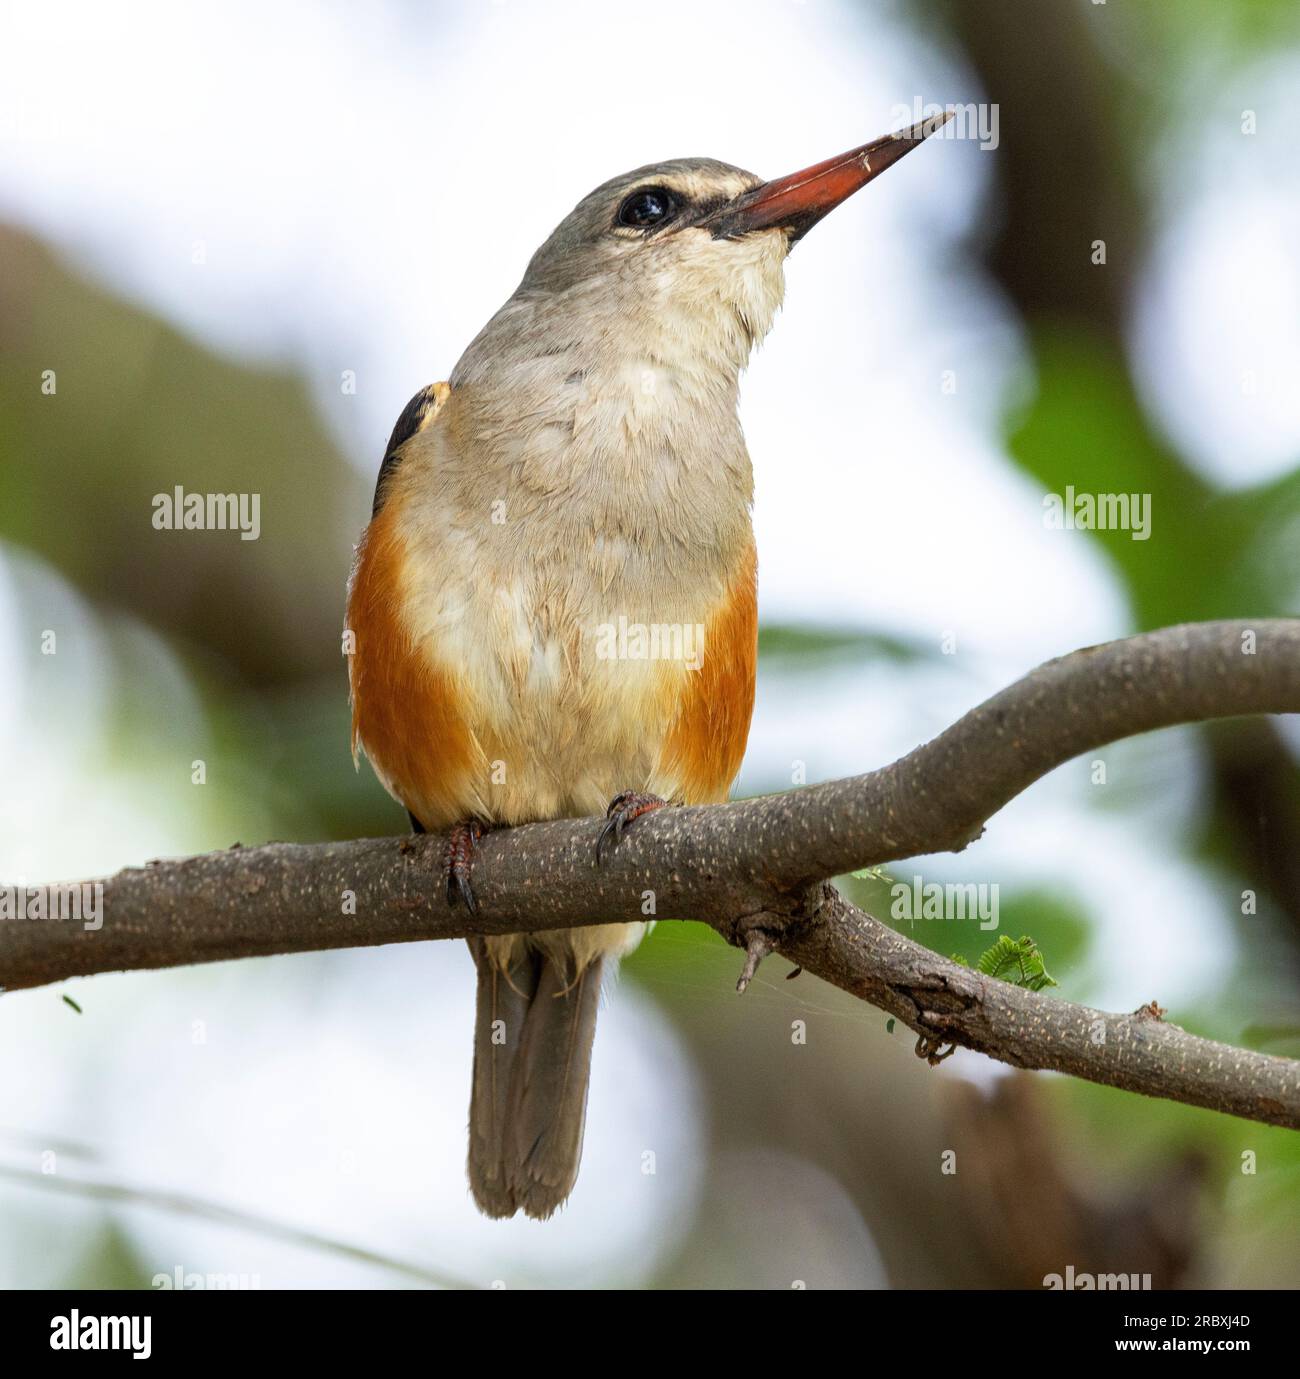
(623, 809)
(461, 843)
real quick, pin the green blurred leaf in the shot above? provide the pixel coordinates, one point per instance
(817, 646)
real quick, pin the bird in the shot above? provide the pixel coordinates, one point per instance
(552, 611)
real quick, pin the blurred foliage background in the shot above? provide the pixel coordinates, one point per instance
(817, 1162)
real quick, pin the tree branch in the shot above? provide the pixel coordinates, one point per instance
(756, 870)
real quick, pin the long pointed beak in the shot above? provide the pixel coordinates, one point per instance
(796, 203)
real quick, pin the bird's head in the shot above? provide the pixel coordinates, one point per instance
(694, 249)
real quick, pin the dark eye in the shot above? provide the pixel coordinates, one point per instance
(649, 206)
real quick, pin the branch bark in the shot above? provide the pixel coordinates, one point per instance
(756, 871)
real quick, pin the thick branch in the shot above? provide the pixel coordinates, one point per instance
(753, 870)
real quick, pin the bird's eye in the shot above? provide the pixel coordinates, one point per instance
(647, 207)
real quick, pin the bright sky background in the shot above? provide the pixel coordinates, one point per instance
(363, 189)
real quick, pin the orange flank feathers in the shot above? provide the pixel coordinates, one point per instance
(405, 712)
(707, 739)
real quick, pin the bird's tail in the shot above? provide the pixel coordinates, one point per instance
(532, 1061)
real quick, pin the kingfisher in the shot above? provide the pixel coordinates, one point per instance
(582, 470)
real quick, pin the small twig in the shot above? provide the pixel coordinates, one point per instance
(227, 1216)
(758, 944)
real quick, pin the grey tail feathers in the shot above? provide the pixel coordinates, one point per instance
(532, 1061)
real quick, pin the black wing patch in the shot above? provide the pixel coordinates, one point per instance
(415, 414)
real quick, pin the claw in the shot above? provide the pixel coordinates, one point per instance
(624, 809)
(459, 888)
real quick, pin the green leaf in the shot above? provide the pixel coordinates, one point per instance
(68, 1001)
(1017, 961)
